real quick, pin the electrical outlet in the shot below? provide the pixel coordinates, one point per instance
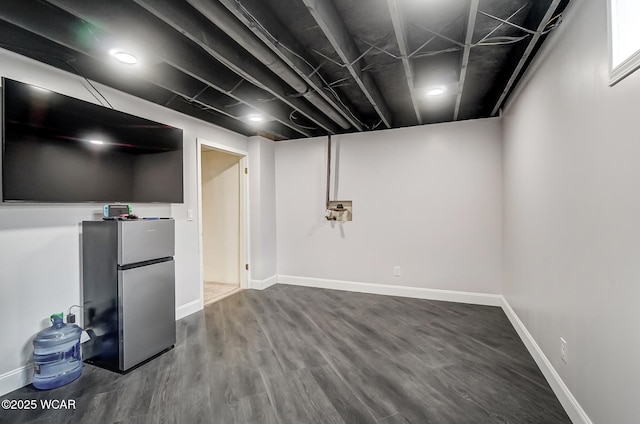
(396, 271)
(563, 350)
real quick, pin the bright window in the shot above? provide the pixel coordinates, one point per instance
(625, 38)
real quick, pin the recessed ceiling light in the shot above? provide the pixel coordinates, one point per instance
(124, 57)
(436, 91)
(96, 141)
(255, 118)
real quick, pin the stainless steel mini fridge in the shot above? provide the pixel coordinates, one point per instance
(128, 290)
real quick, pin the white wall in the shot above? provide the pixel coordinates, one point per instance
(221, 217)
(572, 209)
(39, 244)
(262, 208)
(427, 199)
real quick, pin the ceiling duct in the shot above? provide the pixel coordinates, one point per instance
(124, 17)
(228, 23)
(28, 19)
(332, 49)
(267, 27)
(336, 31)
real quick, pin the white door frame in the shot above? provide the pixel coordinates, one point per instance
(244, 211)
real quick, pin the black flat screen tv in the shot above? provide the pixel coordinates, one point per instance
(58, 149)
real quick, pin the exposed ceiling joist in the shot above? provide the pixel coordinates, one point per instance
(37, 47)
(208, 98)
(525, 57)
(312, 67)
(223, 19)
(329, 20)
(188, 60)
(216, 43)
(400, 32)
(14, 11)
(264, 25)
(228, 22)
(473, 12)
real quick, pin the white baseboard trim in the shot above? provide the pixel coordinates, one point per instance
(402, 291)
(13, 380)
(188, 309)
(263, 284)
(20, 377)
(574, 410)
(564, 395)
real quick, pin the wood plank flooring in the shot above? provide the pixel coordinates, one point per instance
(302, 355)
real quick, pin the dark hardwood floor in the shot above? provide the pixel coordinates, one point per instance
(301, 355)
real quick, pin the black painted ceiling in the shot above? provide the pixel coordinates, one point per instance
(311, 67)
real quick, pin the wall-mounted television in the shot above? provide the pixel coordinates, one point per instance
(59, 149)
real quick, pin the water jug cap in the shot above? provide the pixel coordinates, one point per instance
(59, 317)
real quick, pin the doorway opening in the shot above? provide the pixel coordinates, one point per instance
(222, 193)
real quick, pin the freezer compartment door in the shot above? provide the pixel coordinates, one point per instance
(144, 240)
(147, 313)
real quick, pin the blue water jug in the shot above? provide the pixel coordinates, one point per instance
(56, 355)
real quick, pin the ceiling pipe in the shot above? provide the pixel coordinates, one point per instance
(82, 64)
(223, 19)
(523, 60)
(209, 98)
(157, 35)
(13, 11)
(401, 37)
(333, 27)
(263, 24)
(212, 40)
